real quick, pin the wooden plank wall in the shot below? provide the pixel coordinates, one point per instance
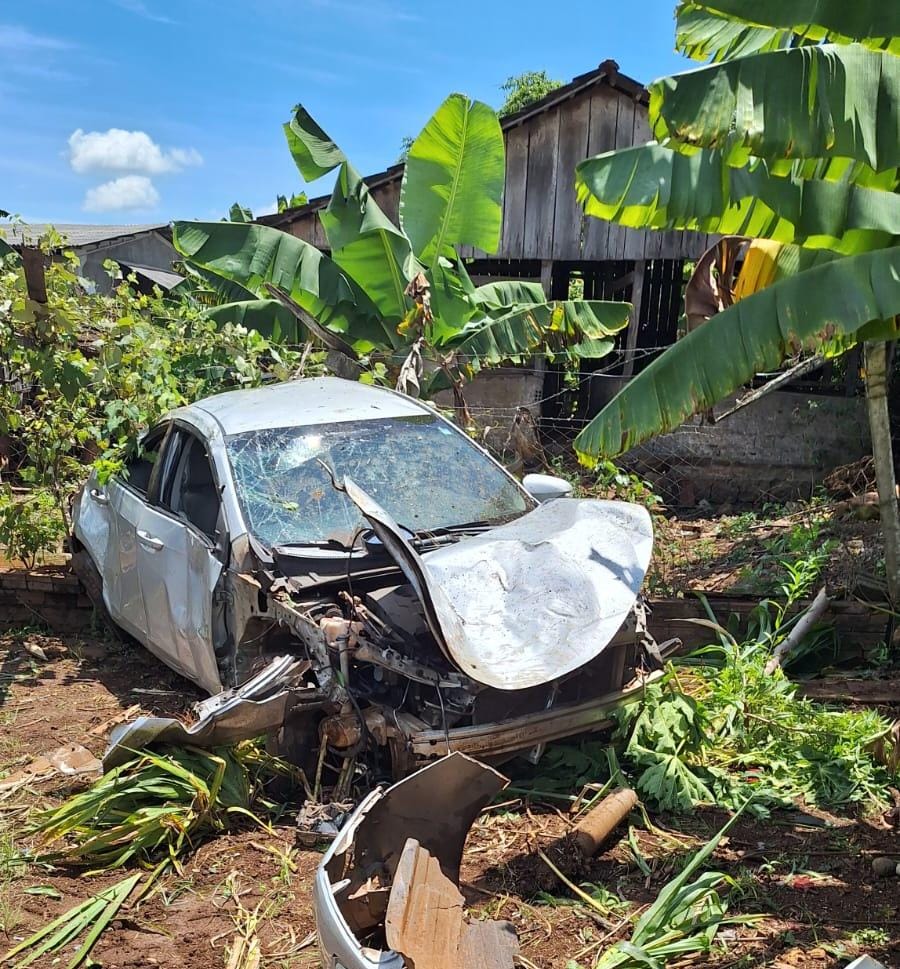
(541, 217)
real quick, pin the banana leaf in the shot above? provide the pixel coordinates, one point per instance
(654, 187)
(367, 245)
(506, 292)
(363, 240)
(210, 288)
(453, 181)
(704, 35)
(266, 316)
(255, 254)
(521, 330)
(799, 312)
(811, 102)
(314, 153)
(874, 23)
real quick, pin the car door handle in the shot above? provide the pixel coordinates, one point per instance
(150, 541)
(99, 496)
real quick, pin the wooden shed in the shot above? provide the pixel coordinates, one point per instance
(545, 235)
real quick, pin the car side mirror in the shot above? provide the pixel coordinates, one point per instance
(545, 487)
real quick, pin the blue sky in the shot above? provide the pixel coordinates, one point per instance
(147, 110)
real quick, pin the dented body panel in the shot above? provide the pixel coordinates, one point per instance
(356, 877)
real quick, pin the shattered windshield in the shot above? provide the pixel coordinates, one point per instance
(426, 475)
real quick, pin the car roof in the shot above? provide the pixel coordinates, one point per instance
(300, 403)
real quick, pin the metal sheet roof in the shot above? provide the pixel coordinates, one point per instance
(162, 277)
(74, 235)
(300, 403)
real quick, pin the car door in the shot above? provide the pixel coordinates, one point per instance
(108, 519)
(180, 552)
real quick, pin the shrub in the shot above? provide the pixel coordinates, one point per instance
(30, 525)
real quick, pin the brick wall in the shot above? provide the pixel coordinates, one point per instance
(48, 595)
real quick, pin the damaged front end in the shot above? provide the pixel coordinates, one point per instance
(489, 640)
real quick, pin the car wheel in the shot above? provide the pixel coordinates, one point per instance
(92, 582)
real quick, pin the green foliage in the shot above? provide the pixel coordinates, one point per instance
(399, 295)
(800, 312)
(685, 917)
(88, 919)
(91, 372)
(791, 134)
(30, 525)
(743, 733)
(616, 482)
(520, 90)
(156, 806)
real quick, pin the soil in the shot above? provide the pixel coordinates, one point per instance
(741, 554)
(808, 875)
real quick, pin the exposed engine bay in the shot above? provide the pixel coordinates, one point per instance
(489, 640)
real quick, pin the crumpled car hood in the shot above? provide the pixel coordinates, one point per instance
(533, 600)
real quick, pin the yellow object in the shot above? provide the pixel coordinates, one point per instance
(759, 267)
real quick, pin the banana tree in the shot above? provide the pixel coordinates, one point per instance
(790, 134)
(399, 296)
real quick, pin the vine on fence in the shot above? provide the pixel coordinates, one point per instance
(83, 374)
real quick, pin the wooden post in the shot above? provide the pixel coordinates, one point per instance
(876, 356)
(33, 263)
(634, 324)
(547, 277)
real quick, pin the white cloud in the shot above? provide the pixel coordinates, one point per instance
(118, 150)
(15, 38)
(127, 192)
(142, 10)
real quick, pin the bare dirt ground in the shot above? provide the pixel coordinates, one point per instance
(809, 876)
(744, 553)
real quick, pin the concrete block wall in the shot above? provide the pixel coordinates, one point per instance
(779, 447)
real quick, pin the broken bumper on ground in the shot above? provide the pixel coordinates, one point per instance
(387, 891)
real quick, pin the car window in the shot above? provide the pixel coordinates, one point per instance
(424, 473)
(138, 470)
(192, 491)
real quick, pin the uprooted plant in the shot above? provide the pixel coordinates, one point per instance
(150, 810)
(685, 918)
(719, 728)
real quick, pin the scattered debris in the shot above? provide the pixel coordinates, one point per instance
(425, 921)
(321, 822)
(70, 761)
(885, 867)
(393, 872)
(597, 825)
(250, 710)
(34, 650)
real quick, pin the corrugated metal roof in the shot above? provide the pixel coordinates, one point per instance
(162, 277)
(74, 235)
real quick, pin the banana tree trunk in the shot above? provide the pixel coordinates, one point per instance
(880, 428)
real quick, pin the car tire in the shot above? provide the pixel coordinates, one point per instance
(92, 582)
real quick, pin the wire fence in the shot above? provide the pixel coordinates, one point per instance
(776, 449)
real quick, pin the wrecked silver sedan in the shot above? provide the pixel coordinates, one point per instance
(343, 566)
